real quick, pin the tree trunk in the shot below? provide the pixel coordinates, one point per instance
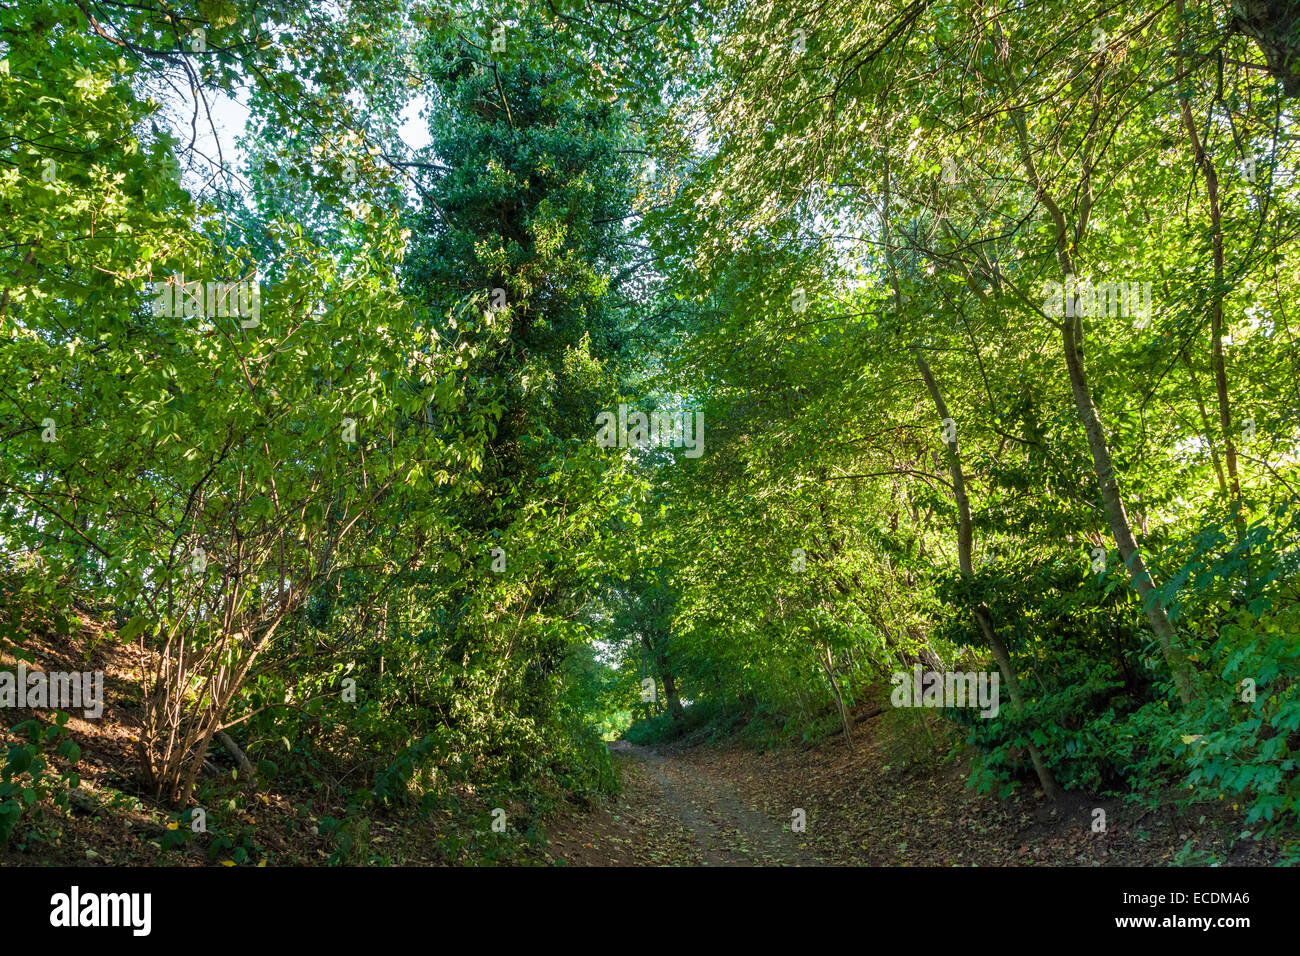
(1116, 516)
(966, 564)
(246, 768)
(829, 664)
(1205, 426)
(1202, 160)
(670, 691)
(667, 677)
(1274, 25)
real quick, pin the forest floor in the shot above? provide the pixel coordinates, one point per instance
(885, 800)
(732, 805)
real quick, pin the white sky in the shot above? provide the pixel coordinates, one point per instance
(230, 114)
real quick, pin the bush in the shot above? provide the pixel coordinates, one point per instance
(1099, 699)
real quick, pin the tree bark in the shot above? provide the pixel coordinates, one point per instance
(1112, 501)
(670, 691)
(829, 664)
(1202, 160)
(1272, 24)
(967, 567)
(1205, 426)
(669, 679)
(246, 769)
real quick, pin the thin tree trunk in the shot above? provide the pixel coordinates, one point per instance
(1202, 160)
(1113, 502)
(670, 691)
(829, 664)
(966, 565)
(666, 675)
(246, 768)
(964, 531)
(1117, 517)
(1205, 425)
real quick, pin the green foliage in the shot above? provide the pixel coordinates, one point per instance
(1100, 703)
(30, 773)
(372, 533)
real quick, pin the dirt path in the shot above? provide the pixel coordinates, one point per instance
(727, 830)
(727, 805)
(674, 812)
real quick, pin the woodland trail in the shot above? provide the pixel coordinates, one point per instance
(727, 805)
(726, 829)
(674, 812)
